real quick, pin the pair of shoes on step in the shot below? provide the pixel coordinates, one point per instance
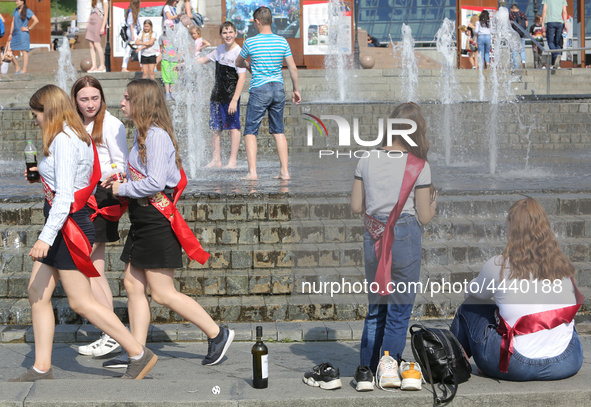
(389, 375)
(101, 347)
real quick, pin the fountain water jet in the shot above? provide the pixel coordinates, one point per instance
(410, 70)
(338, 58)
(65, 71)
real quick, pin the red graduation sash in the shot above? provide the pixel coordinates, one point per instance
(112, 212)
(169, 210)
(531, 323)
(384, 234)
(77, 242)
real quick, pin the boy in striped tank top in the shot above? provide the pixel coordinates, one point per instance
(266, 51)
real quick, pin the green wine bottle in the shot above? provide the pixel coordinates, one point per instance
(260, 362)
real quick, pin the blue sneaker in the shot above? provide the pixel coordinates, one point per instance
(217, 347)
(120, 362)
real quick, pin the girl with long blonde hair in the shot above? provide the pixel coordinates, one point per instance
(62, 250)
(153, 247)
(517, 322)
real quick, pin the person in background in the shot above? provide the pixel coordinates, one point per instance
(170, 59)
(133, 30)
(108, 134)
(6, 57)
(554, 16)
(200, 42)
(482, 30)
(19, 39)
(96, 28)
(146, 44)
(225, 95)
(169, 12)
(537, 31)
(69, 172)
(519, 18)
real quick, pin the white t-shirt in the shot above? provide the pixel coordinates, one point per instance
(172, 11)
(382, 179)
(114, 147)
(227, 58)
(481, 30)
(516, 298)
(150, 51)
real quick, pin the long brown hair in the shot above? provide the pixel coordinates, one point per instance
(411, 111)
(532, 249)
(97, 128)
(134, 6)
(24, 10)
(57, 108)
(148, 108)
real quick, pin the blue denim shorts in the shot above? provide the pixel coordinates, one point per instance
(220, 119)
(271, 97)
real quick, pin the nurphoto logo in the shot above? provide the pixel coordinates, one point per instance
(344, 135)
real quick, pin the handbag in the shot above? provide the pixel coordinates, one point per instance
(134, 55)
(473, 47)
(123, 34)
(439, 353)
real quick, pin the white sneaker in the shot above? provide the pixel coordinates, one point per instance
(412, 378)
(108, 345)
(87, 350)
(387, 373)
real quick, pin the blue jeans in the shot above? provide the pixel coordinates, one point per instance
(553, 36)
(522, 53)
(269, 96)
(475, 327)
(484, 47)
(387, 318)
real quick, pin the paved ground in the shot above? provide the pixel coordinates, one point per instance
(180, 379)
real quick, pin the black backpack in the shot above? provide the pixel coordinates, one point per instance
(521, 21)
(442, 358)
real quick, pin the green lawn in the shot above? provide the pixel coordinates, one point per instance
(64, 7)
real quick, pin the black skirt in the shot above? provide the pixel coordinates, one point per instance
(105, 230)
(151, 243)
(59, 255)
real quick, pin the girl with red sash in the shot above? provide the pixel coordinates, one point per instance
(108, 134)
(153, 248)
(392, 188)
(69, 172)
(517, 322)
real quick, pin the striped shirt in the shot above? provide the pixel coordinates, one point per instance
(66, 170)
(160, 169)
(266, 52)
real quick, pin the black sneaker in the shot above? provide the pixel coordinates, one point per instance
(363, 379)
(217, 347)
(120, 362)
(324, 376)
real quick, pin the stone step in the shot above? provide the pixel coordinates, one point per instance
(211, 210)
(309, 280)
(285, 256)
(260, 308)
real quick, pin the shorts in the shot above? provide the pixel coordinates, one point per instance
(220, 119)
(59, 255)
(105, 230)
(151, 243)
(169, 75)
(271, 97)
(148, 60)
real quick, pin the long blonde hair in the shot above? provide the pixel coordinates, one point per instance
(411, 111)
(532, 249)
(148, 108)
(57, 108)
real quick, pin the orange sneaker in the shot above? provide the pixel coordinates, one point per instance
(412, 378)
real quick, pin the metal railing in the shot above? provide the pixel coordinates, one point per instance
(547, 51)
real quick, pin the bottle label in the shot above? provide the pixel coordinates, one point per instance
(265, 365)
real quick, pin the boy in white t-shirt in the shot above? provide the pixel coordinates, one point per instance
(225, 96)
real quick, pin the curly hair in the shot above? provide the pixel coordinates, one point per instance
(532, 249)
(148, 108)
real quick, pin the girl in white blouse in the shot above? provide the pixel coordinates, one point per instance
(66, 169)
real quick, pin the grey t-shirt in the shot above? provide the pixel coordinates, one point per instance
(382, 179)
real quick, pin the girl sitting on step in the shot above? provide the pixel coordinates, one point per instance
(517, 322)
(69, 172)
